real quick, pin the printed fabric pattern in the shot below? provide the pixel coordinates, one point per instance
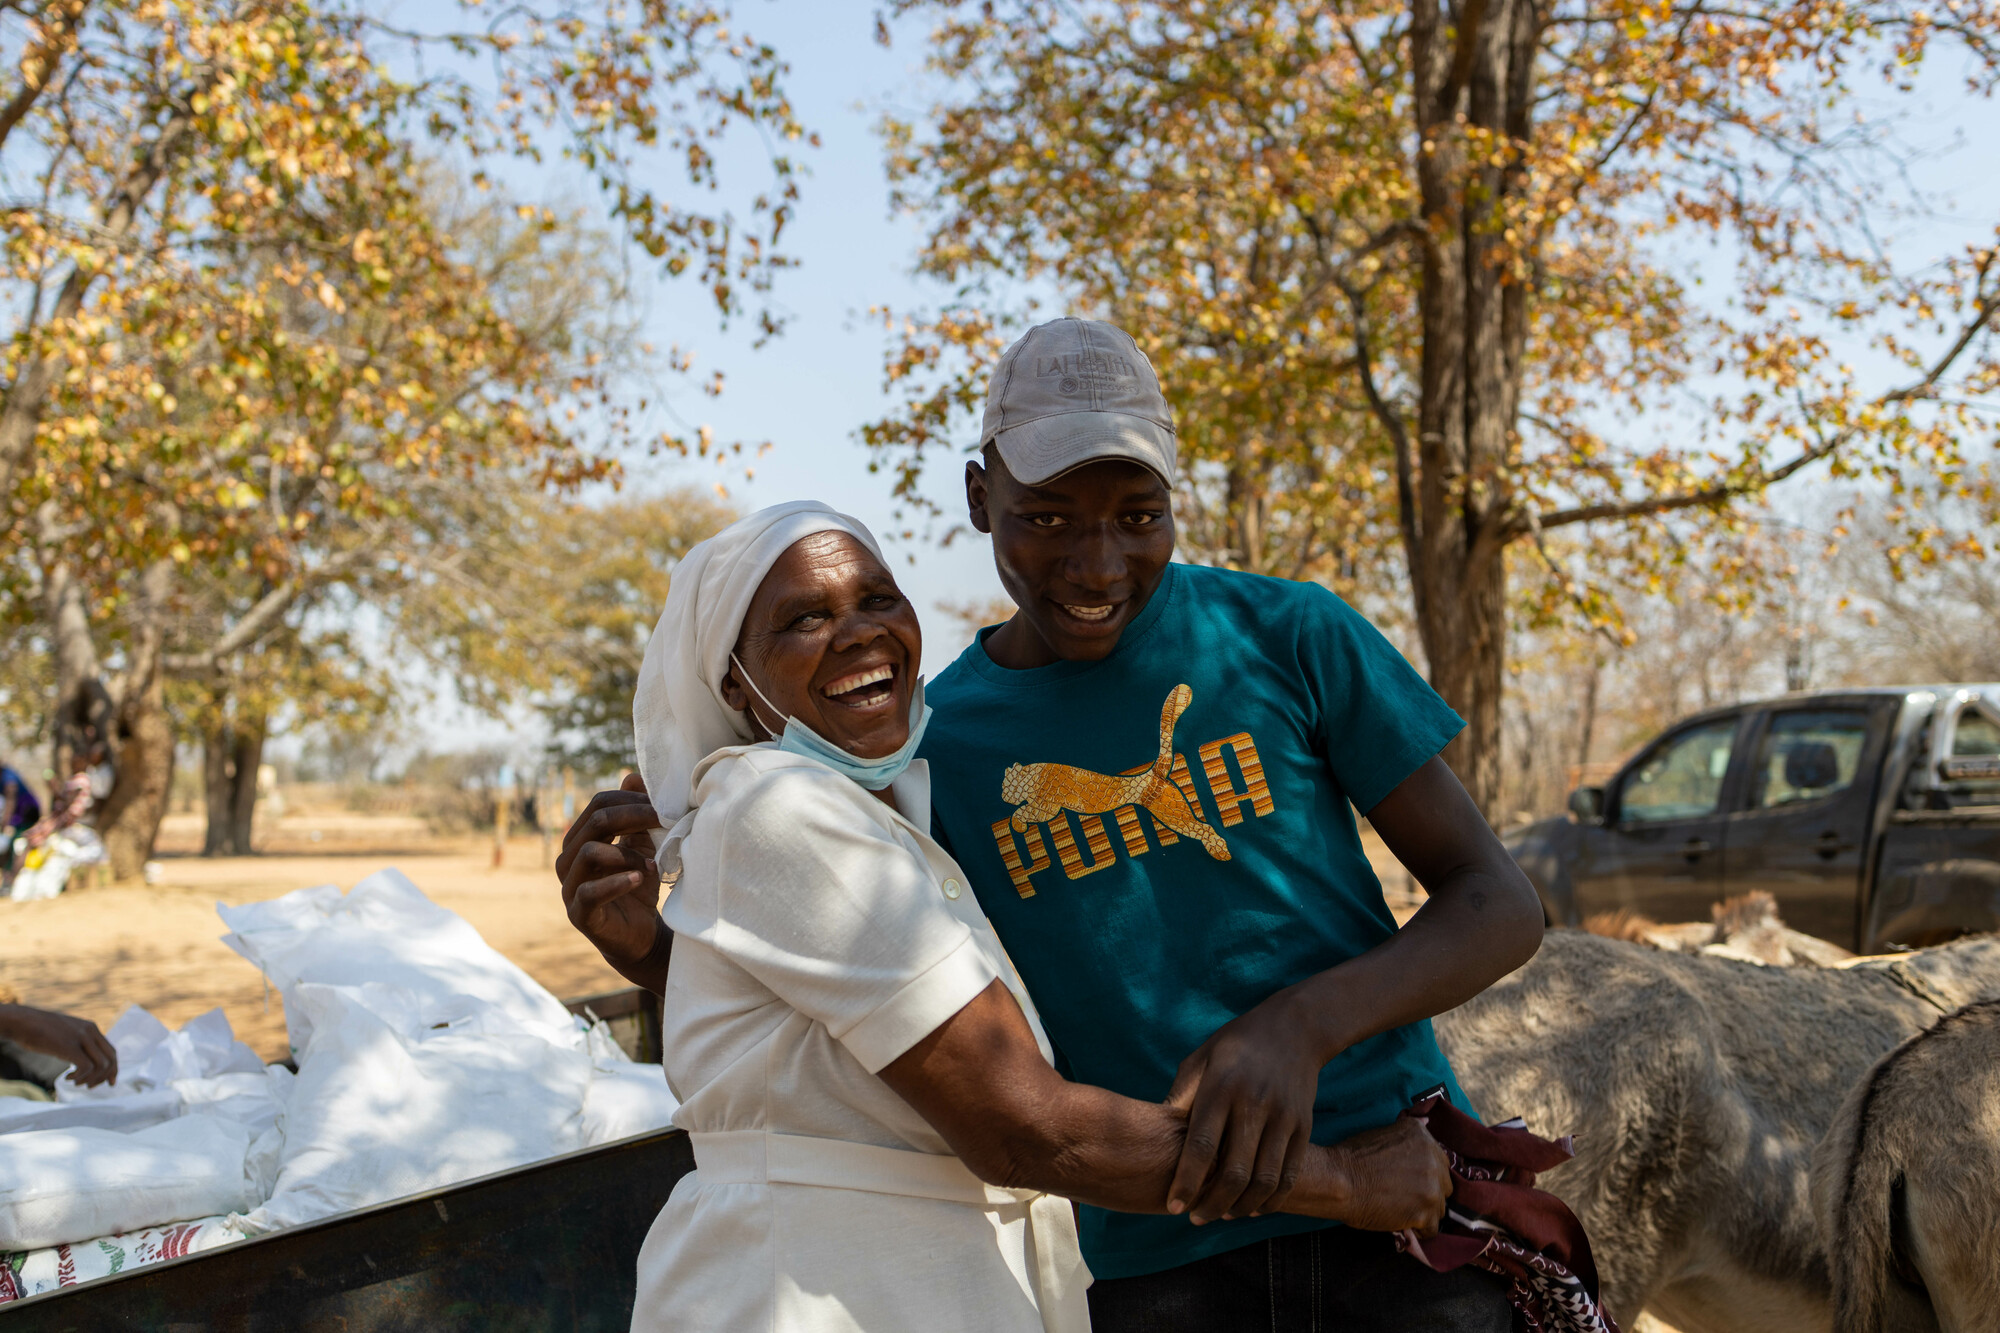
(25, 1273)
(1498, 1221)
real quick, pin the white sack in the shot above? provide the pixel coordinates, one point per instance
(626, 1099)
(59, 1186)
(251, 1100)
(384, 931)
(150, 1056)
(121, 1113)
(426, 1059)
(399, 1093)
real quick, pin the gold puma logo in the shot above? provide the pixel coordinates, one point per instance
(1042, 791)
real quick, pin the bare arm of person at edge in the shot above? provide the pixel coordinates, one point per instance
(64, 1036)
(1249, 1090)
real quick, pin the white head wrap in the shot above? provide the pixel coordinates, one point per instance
(679, 717)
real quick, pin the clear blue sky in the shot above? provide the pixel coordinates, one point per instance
(808, 391)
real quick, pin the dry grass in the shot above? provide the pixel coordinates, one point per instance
(93, 951)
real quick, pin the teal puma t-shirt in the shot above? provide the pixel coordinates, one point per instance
(1164, 838)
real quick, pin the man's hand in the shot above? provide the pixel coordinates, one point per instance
(1249, 1089)
(1396, 1179)
(1248, 1092)
(611, 885)
(76, 1040)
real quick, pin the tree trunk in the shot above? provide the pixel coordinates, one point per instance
(129, 821)
(142, 736)
(1471, 75)
(218, 785)
(1589, 728)
(231, 753)
(83, 706)
(245, 757)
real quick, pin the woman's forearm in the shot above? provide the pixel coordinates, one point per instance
(1115, 1152)
(981, 1081)
(1092, 1146)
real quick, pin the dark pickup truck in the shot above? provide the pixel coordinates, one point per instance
(1872, 815)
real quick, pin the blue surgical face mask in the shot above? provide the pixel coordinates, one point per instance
(874, 774)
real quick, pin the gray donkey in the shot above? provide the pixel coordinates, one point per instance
(1907, 1184)
(1697, 1088)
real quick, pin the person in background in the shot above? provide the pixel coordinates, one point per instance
(38, 1045)
(60, 841)
(18, 811)
(68, 804)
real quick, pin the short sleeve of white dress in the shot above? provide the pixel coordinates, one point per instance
(818, 900)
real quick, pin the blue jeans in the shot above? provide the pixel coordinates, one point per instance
(1336, 1280)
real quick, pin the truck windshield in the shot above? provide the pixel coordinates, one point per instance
(1682, 779)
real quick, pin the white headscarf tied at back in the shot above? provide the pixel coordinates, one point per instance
(679, 717)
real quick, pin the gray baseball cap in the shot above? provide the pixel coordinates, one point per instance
(1074, 391)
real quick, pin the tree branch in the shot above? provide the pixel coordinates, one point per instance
(39, 62)
(1399, 434)
(1987, 309)
(1666, 504)
(1721, 492)
(1472, 14)
(262, 617)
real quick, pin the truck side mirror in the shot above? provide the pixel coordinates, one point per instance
(1587, 804)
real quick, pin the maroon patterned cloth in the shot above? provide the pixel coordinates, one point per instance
(1497, 1220)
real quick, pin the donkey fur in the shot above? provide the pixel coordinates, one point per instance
(1905, 1184)
(1697, 1088)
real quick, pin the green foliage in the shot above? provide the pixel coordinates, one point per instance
(272, 316)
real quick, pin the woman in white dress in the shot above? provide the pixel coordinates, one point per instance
(881, 1142)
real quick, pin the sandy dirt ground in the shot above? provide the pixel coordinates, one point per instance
(94, 951)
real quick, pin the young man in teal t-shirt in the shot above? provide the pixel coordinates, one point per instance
(1149, 774)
